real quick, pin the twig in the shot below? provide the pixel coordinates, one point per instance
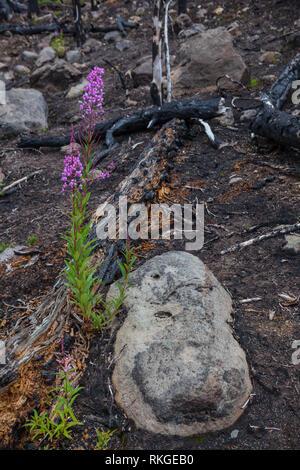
(21, 180)
(288, 229)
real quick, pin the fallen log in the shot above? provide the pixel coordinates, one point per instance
(38, 29)
(265, 236)
(45, 325)
(279, 126)
(140, 120)
(282, 86)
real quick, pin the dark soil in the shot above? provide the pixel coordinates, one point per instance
(265, 329)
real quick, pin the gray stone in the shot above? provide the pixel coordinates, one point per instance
(77, 90)
(195, 29)
(60, 74)
(248, 115)
(73, 56)
(233, 180)
(25, 110)
(292, 245)
(179, 369)
(183, 21)
(29, 56)
(21, 69)
(9, 254)
(123, 45)
(270, 57)
(46, 55)
(226, 118)
(113, 36)
(205, 57)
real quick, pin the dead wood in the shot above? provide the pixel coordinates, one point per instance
(266, 236)
(45, 325)
(279, 126)
(140, 120)
(38, 29)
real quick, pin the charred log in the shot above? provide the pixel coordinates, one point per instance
(282, 86)
(279, 126)
(38, 29)
(141, 120)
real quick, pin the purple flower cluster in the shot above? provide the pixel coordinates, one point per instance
(72, 174)
(93, 95)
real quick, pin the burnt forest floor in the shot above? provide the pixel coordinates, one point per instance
(265, 329)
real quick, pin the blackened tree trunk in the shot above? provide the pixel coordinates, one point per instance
(79, 30)
(182, 6)
(156, 89)
(33, 7)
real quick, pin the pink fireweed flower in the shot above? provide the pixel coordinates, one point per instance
(73, 168)
(66, 363)
(92, 99)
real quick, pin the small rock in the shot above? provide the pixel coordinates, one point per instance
(77, 90)
(123, 45)
(233, 180)
(292, 244)
(297, 23)
(218, 11)
(182, 22)
(234, 434)
(73, 56)
(25, 110)
(113, 36)
(234, 29)
(67, 149)
(29, 56)
(268, 79)
(21, 69)
(3, 67)
(134, 19)
(130, 102)
(270, 57)
(8, 253)
(248, 115)
(201, 13)
(227, 118)
(91, 45)
(195, 29)
(46, 55)
(140, 11)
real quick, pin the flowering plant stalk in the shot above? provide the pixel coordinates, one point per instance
(80, 274)
(63, 419)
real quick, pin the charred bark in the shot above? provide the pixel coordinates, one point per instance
(33, 7)
(141, 120)
(182, 6)
(282, 86)
(38, 29)
(279, 126)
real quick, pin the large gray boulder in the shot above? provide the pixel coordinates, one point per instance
(205, 57)
(25, 110)
(179, 370)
